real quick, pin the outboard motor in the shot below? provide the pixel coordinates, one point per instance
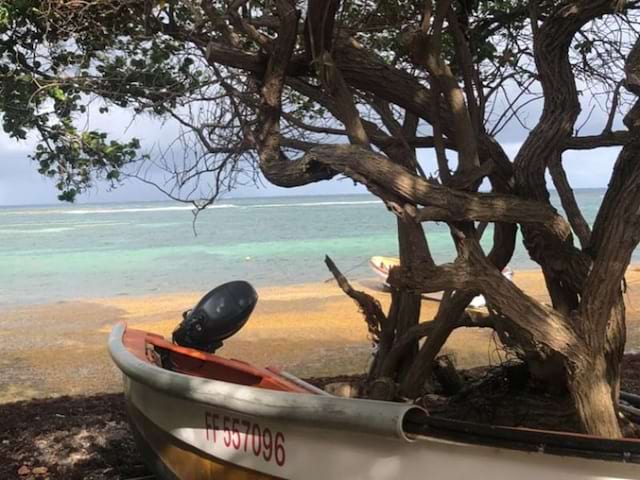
(220, 314)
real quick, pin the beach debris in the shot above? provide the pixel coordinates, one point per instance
(445, 371)
(92, 440)
(40, 470)
(342, 389)
(383, 388)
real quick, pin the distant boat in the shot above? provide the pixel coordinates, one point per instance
(382, 266)
(196, 415)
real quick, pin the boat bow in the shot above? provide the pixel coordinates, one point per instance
(353, 415)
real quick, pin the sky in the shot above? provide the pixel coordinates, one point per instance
(20, 183)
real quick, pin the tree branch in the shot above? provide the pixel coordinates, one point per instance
(568, 200)
(369, 306)
(609, 139)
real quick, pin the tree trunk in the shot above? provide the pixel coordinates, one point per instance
(409, 304)
(614, 347)
(404, 313)
(595, 383)
(592, 393)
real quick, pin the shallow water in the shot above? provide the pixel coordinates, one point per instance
(64, 251)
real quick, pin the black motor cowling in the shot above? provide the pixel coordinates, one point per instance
(220, 314)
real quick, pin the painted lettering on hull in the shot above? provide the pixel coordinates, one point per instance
(246, 436)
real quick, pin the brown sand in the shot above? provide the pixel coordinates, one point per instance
(310, 329)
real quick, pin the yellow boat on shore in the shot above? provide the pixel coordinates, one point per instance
(382, 265)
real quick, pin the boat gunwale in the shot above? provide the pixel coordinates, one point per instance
(356, 415)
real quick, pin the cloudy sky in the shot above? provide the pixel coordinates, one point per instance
(20, 184)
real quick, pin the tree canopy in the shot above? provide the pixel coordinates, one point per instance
(303, 91)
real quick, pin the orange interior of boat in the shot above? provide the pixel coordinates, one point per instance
(154, 349)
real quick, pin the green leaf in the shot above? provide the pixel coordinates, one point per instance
(57, 93)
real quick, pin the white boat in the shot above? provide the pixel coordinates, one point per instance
(196, 415)
(382, 265)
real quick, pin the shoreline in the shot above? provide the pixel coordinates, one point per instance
(309, 329)
(371, 284)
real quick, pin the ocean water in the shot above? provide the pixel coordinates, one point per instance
(63, 252)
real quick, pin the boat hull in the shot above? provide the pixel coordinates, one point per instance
(192, 429)
(177, 439)
(173, 459)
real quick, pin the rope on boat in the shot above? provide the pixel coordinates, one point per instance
(630, 410)
(564, 444)
(631, 398)
(301, 383)
(629, 404)
(331, 279)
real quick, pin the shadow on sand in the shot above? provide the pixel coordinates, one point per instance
(70, 438)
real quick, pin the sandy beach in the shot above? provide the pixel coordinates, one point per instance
(59, 350)
(310, 329)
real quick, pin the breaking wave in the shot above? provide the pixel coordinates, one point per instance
(316, 204)
(90, 211)
(34, 231)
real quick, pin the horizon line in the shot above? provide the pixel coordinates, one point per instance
(242, 197)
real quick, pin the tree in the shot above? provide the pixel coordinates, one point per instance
(35, 96)
(305, 91)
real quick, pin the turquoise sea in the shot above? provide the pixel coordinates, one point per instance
(63, 252)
